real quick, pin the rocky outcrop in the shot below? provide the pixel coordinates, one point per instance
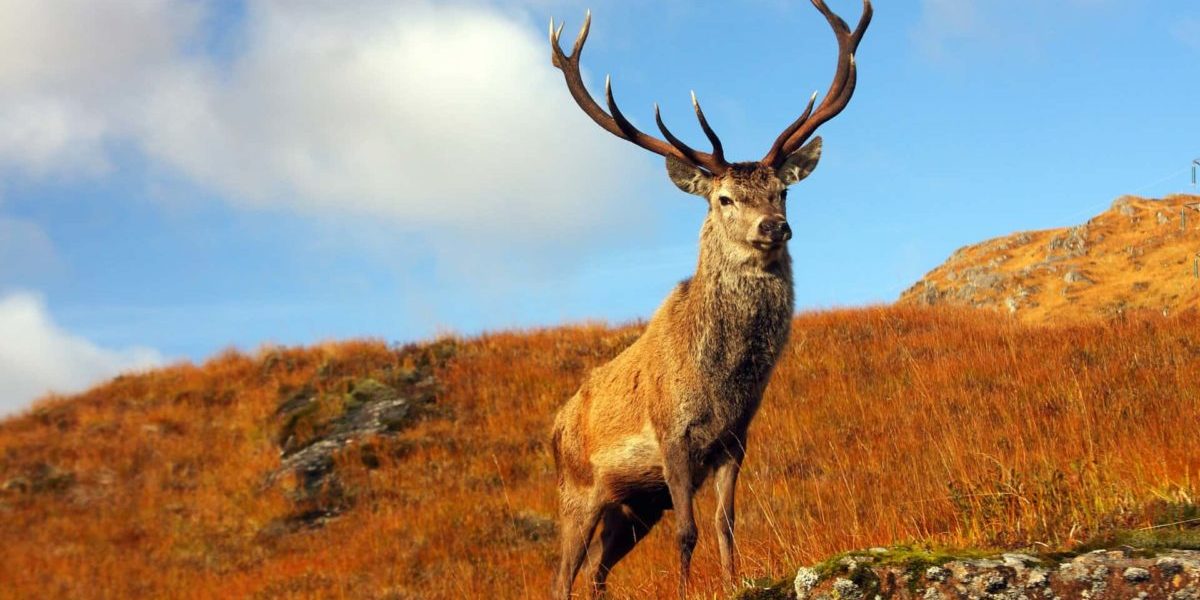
(1139, 254)
(316, 426)
(903, 574)
(370, 408)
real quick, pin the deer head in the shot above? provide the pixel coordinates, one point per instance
(746, 200)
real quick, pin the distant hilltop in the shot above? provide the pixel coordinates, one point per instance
(1140, 254)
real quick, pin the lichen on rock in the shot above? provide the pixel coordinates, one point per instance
(904, 573)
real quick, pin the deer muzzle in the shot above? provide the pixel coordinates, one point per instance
(775, 229)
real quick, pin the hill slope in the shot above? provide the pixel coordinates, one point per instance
(367, 471)
(1139, 254)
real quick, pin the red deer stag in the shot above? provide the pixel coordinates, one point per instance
(645, 430)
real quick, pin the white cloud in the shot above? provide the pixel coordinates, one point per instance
(72, 73)
(430, 117)
(37, 356)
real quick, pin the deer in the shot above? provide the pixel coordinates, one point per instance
(646, 430)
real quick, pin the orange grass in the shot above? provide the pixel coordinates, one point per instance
(881, 425)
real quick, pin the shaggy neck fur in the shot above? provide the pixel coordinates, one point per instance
(743, 304)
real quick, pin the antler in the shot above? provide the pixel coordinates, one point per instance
(615, 123)
(839, 92)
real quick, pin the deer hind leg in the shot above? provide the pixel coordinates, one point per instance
(624, 527)
(578, 516)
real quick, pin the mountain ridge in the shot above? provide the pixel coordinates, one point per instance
(1140, 254)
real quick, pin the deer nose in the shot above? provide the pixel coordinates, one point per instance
(775, 229)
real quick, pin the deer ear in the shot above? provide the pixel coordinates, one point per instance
(800, 163)
(689, 178)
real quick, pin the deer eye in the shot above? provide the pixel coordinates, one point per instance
(725, 200)
(783, 195)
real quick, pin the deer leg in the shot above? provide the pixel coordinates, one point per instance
(725, 482)
(681, 485)
(577, 522)
(624, 527)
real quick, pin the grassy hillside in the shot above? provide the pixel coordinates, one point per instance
(881, 425)
(1139, 254)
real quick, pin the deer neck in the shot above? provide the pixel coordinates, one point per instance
(744, 304)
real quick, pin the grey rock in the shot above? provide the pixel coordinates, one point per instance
(1018, 559)
(1136, 574)
(1124, 206)
(983, 277)
(1012, 304)
(1071, 244)
(1076, 276)
(1117, 574)
(806, 580)
(1037, 578)
(930, 295)
(1071, 571)
(994, 582)
(1169, 565)
(966, 292)
(372, 408)
(846, 589)
(1187, 593)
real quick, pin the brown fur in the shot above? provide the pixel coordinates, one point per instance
(647, 429)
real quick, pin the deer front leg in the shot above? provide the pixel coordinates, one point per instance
(725, 482)
(578, 516)
(680, 484)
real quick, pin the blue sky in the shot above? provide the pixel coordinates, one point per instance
(179, 177)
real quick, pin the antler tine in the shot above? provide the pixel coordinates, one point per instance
(777, 153)
(845, 80)
(691, 153)
(863, 22)
(623, 124)
(718, 150)
(558, 58)
(614, 121)
(583, 33)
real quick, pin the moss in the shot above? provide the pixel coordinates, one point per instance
(865, 579)
(1175, 539)
(1141, 541)
(916, 561)
(366, 391)
(860, 566)
(301, 420)
(912, 559)
(768, 590)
